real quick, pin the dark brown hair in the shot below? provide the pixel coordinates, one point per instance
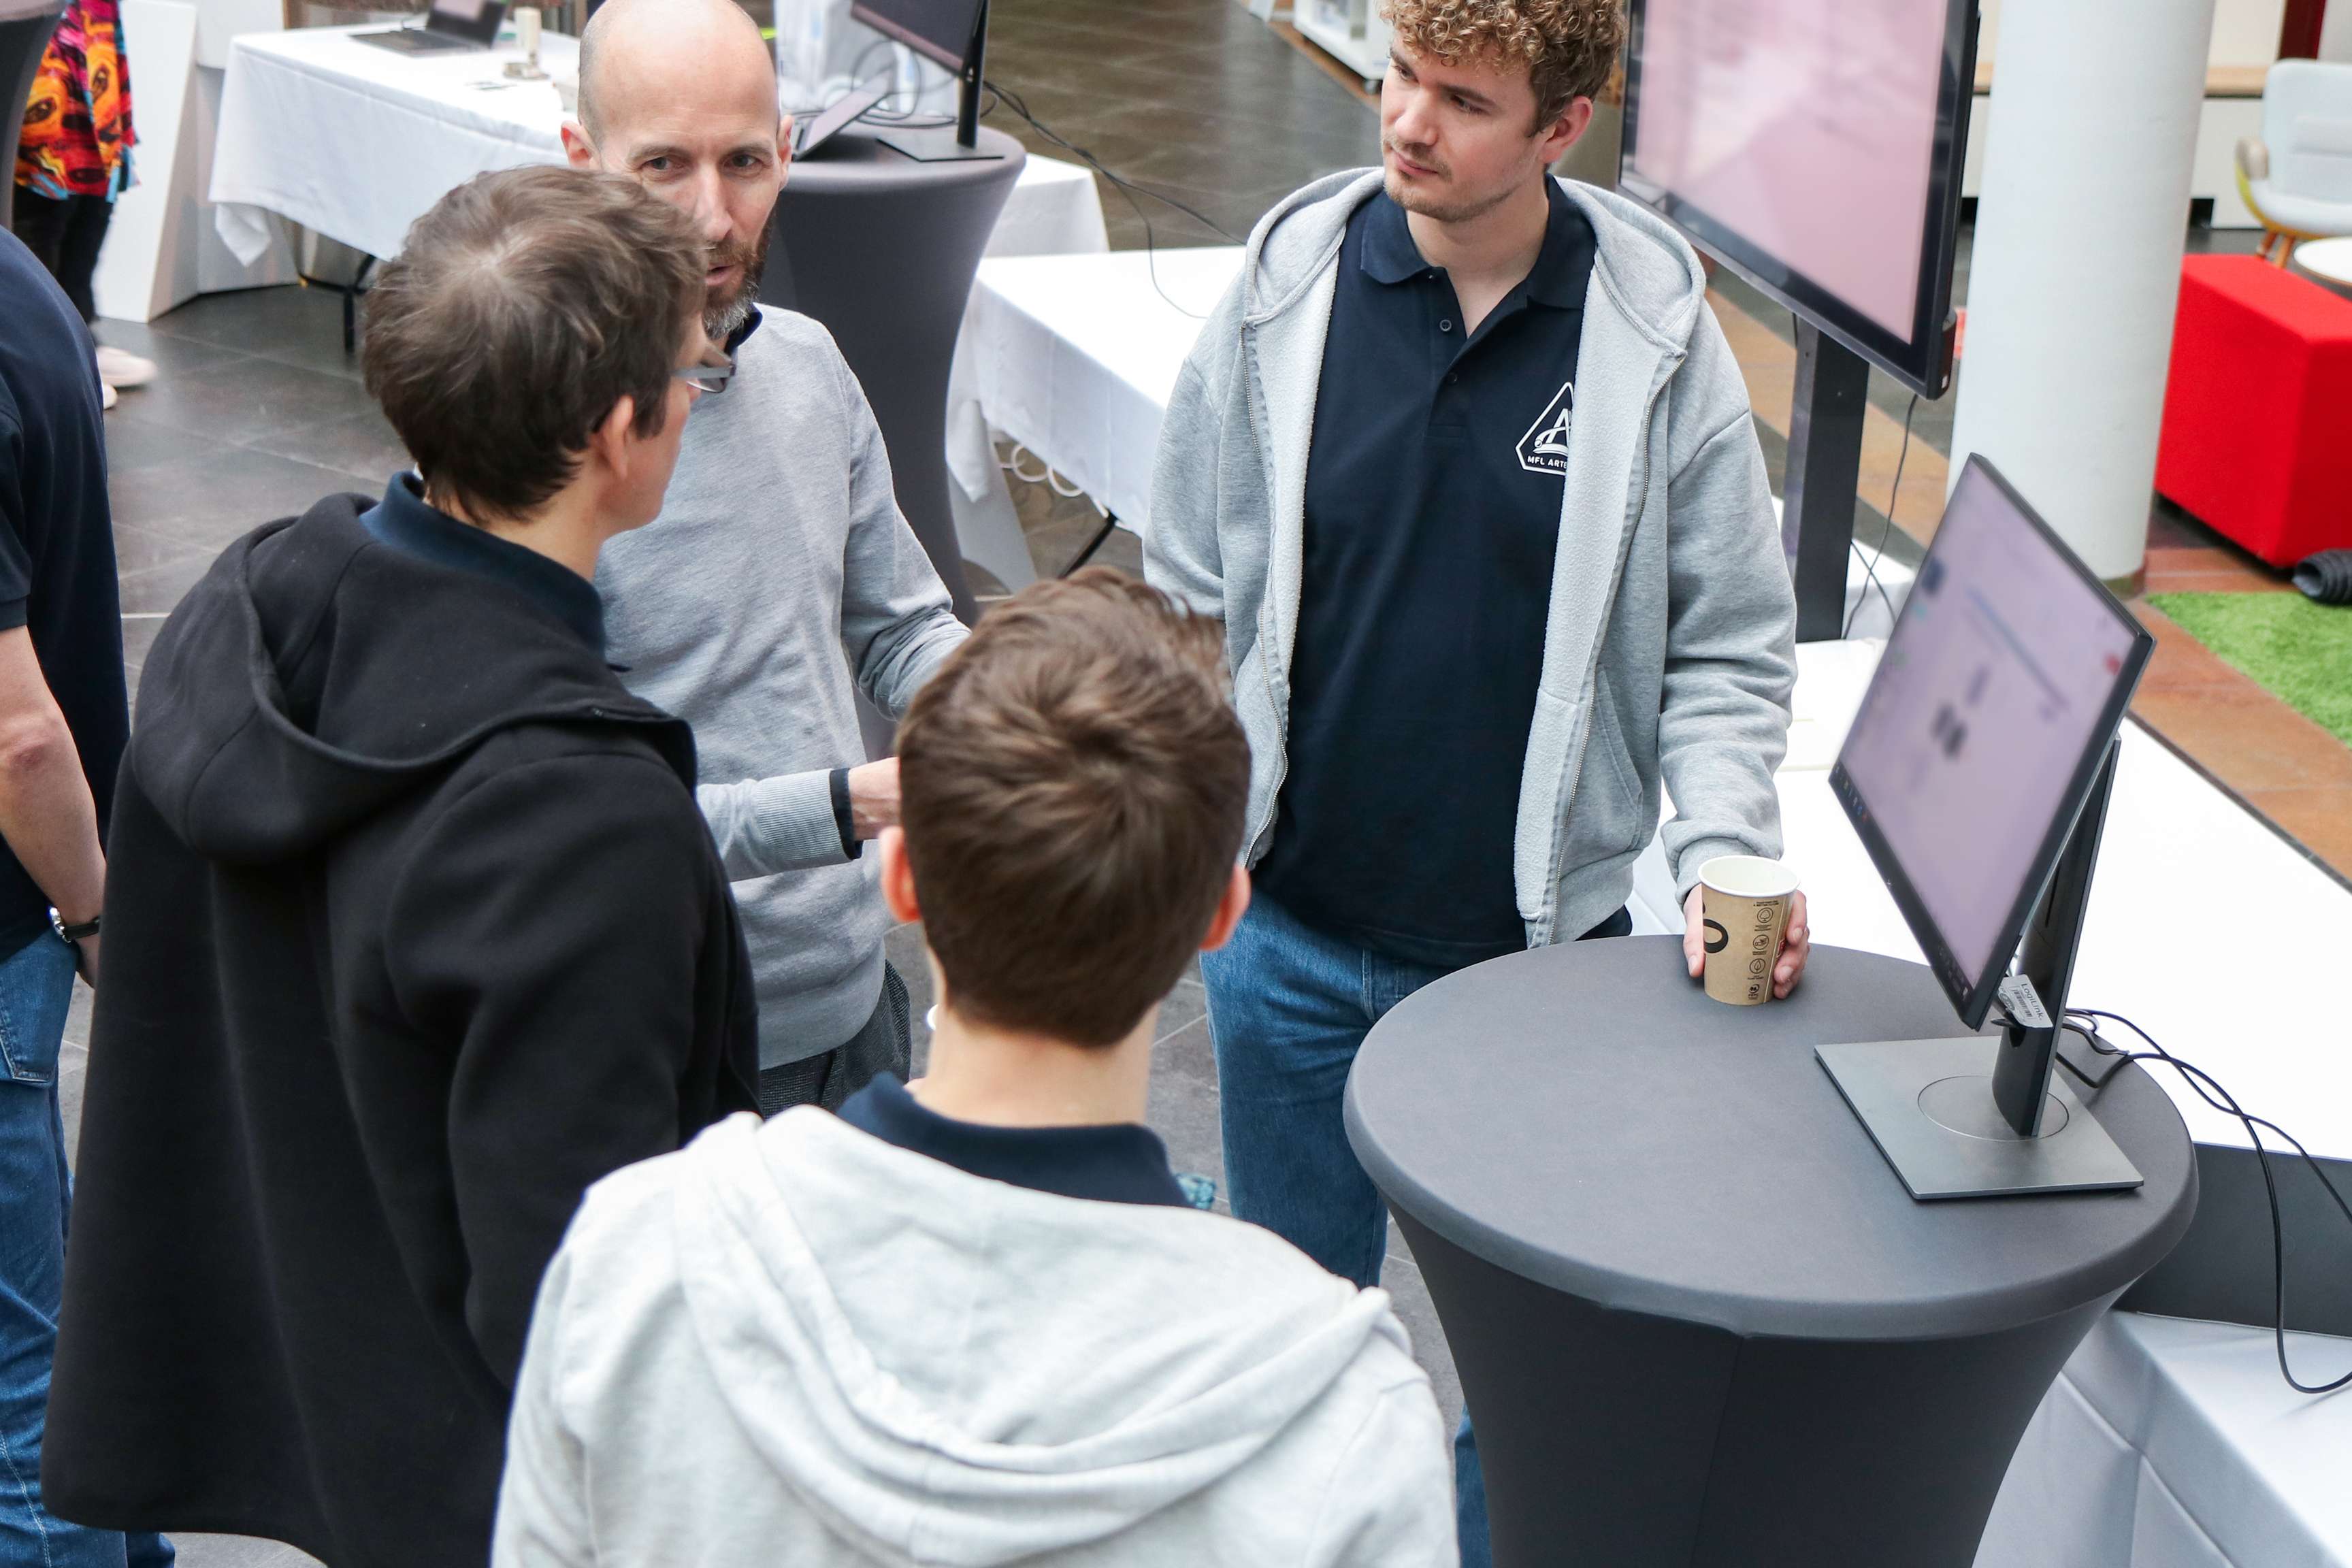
(1073, 783)
(525, 305)
(1569, 47)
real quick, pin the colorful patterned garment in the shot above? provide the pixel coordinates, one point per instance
(78, 136)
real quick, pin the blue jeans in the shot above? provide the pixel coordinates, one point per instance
(36, 989)
(1288, 1008)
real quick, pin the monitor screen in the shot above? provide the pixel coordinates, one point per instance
(1980, 734)
(1814, 146)
(475, 19)
(940, 30)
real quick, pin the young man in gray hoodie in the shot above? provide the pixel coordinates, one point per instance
(779, 581)
(1464, 466)
(723, 1369)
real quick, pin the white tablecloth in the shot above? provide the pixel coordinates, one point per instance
(356, 142)
(2170, 1444)
(1076, 357)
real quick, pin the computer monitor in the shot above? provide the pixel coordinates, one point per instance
(1814, 147)
(1976, 775)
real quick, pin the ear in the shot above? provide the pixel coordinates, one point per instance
(1566, 130)
(897, 874)
(581, 150)
(612, 444)
(1231, 905)
(783, 150)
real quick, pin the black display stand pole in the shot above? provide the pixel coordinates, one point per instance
(937, 144)
(1823, 475)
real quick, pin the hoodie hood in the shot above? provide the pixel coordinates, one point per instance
(1648, 269)
(317, 676)
(952, 1376)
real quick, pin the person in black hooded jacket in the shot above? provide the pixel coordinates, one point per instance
(413, 930)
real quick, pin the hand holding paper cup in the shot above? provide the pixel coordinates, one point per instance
(1745, 901)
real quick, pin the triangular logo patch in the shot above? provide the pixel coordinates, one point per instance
(1544, 448)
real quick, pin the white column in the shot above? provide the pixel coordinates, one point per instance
(2076, 265)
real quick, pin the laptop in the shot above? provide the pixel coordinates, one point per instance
(836, 116)
(450, 25)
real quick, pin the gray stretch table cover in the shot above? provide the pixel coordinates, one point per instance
(1697, 1318)
(1582, 1115)
(882, 249)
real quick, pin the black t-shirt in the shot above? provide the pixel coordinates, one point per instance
(1119, 1164)
(1433, 488)
(57, 543)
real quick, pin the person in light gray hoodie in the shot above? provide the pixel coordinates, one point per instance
(723, 1367)
(1463, 465)
(780, 582)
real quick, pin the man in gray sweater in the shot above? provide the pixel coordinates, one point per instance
(780, 580)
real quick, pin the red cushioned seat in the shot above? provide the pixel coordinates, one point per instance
(2258, 411)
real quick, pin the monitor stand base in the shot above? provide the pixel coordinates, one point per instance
(1928, 1106)
(933, 145)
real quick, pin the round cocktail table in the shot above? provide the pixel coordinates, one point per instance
(882, 249)
(1697, 1319)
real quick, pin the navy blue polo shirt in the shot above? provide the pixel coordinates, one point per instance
(1434, 486)
(56, 545)
(1119, 1163)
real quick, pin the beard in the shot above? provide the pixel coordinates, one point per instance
(1430, 204)
(724, 312)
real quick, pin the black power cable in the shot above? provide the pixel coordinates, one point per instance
(1885, 528)
(2210, 1089)
(1125, 186)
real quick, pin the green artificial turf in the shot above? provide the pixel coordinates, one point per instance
(2299, 650)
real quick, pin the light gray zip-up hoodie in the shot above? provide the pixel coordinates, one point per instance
(795, 1343)
(1669, 649)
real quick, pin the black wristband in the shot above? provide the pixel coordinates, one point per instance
(845, 822)
(73, 934)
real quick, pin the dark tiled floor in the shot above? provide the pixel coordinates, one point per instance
(1192, 98)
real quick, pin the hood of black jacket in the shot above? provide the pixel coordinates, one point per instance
(317, 676)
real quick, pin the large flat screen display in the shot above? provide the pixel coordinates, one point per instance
(1983, 731)
(1813, 146)
(938, 30)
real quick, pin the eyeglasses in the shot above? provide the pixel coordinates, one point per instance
(709, 378)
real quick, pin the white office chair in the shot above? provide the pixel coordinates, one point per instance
(2297, 177)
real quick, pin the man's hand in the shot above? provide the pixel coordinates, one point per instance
(86, 960)
(874, 797)
(1796, 944)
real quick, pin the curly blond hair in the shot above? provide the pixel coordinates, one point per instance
(1569, 47)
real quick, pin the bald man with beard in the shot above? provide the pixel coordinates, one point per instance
(780, 580)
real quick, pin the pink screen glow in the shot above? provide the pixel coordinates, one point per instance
(1804, 126)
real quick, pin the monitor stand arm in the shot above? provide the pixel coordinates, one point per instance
(2021, 1073)
(1824, 468)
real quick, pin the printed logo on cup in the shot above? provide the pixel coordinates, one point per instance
(1750, 895)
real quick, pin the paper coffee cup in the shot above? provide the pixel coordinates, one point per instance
(1744, 903)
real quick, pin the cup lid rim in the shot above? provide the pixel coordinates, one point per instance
(1779, 883)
